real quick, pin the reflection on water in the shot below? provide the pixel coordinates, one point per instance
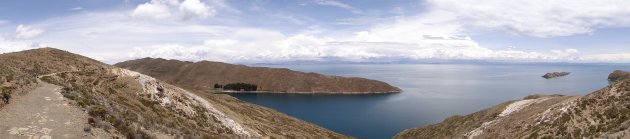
(431, 92)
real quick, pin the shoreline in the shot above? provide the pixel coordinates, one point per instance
(304, 93)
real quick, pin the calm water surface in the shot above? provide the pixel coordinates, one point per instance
(432, 92)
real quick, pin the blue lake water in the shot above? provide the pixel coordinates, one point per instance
(431, 93)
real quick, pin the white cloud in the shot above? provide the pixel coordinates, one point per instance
(568, 54)
(27, 32)
(305, 47)
(192, 9)
(163, 9)
(156, 9)
(4, 22)
(438, 34)
(433, 35)
(539, 18)
(338, 4)
(615, 58)
(76, 8)
(7, 45)
(416, 29)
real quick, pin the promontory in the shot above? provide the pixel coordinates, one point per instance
(206, 74)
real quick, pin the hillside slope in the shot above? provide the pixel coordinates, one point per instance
(123, 102)
(601, 114)
(44, 113)
(204, 74)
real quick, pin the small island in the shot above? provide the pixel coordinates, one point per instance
(555, 74)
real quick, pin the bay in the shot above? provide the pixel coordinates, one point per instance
(431, 93)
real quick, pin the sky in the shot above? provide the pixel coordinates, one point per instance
(276, 31)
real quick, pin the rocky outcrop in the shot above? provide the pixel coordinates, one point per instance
(135, 105)
(601, 114)
(555, 74)
(618, 75)
(203, 75)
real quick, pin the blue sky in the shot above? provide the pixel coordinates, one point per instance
(267, 31)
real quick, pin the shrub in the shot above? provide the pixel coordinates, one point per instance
(216, 86)
(87, 129)
(98, 111)
(5, 94)
(240, 87)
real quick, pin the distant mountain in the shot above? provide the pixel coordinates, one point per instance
(203, 75)
(125, 104)
(601, 114)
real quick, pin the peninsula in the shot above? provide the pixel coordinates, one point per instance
(206, 75)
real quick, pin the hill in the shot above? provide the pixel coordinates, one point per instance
(602, 114)
(125, 103)
(203, 75)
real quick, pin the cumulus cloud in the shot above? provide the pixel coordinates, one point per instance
(305, 47)
(338, 4)
(163, 9)
(538, 18)
(155, 9)
(27, 32)
(440, 33)
(433, 35)
(191, 9)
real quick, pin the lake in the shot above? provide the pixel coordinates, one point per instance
(431, 93)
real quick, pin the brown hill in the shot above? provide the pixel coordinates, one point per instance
(618, 75)
(126, 103)
(204, 74)
(601, 114)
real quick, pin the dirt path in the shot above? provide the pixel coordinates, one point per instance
(42, 113)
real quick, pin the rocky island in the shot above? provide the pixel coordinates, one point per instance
(51, 93)
(602, 114)
(206, 75)
(555, 74)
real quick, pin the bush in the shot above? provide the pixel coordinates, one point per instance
(5, 94)
(216, 86)
(87, 129)
(98, 111)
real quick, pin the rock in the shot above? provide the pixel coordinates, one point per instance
(618, 75)
(555, 74)
(45, 137)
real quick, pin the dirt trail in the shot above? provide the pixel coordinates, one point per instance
(43, 113)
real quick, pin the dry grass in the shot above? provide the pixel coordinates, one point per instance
(601, 114)
(204, 74)
(115, 104)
